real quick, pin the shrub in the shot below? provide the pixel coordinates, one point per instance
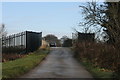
(13, 49)
(100, 55)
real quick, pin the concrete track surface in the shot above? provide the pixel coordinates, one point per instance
(59, 64)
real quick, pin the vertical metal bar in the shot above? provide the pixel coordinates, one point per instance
(14, 40)
(8, 41)
(21, 39)
(5, 41)
(26, 41)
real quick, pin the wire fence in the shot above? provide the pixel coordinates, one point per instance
(22, 42)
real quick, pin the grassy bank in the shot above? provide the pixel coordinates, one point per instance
(13, 69)
(0, 70)
(96, 72)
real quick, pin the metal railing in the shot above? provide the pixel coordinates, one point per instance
(27, 41)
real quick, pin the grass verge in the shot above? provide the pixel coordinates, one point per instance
(13, 69)
(97, 73)
(0, 70)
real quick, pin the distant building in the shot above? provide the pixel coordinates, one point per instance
(83, 37)
(67, 43)
(64, 38)
(45, 44)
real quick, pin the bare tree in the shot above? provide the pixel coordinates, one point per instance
(113, 23)
(104, 14)
(94, 13)
(94, 16)
(3, 31)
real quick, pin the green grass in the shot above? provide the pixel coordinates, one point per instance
(0, 70)
(96, 71)
(13, 69)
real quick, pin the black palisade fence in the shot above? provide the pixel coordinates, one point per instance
(23, 42)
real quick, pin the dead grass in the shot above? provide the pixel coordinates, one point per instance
(12, 56)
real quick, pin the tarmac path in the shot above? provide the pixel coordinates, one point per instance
(59, 64)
